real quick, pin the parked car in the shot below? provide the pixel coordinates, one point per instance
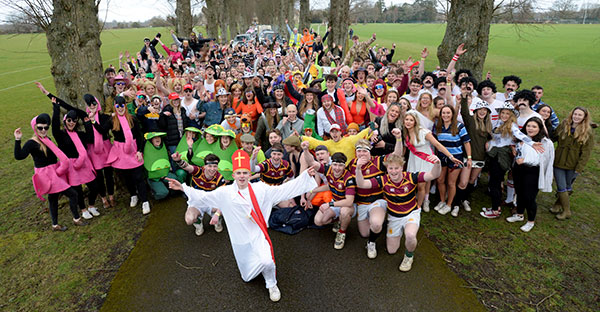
(268, 35)
(242, 39)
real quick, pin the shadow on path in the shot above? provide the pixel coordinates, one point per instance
(171, 269)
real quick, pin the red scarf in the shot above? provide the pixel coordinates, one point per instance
(339, 117)
(257, 215)
(417, 153)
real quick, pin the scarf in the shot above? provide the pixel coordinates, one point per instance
(339, 118)
(80, 149)
(257, 215)
(417, 153)
(129, 142)
(98, 139)
(63, 164)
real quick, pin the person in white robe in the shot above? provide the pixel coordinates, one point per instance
(247, 225)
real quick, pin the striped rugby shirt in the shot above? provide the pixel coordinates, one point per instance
(373, 168)
(340, 187)
(453, 143)
(200, 182)
(401, 197)
(275, 175)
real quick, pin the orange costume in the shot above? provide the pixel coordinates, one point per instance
(252, 109)
(352, 115)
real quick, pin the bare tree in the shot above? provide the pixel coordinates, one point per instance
(73, 41)
(564, 9)
(339, 19)
(468, 23)
(184, 22)
(212, 15)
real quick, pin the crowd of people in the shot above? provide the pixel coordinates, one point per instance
(361, 136)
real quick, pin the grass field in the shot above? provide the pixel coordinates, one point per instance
(553, 268)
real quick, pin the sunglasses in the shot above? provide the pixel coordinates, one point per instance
(188, 90)
(119, 105)
(141, 97)
(93, 104)
(70, 120)
(40, 128)
(377, 87)
(120, 83)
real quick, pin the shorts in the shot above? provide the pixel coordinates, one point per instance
(446, 162)
(363, 210)
(477, 164)
(395, 227)
(338, 209)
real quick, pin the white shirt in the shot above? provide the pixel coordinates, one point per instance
(210, 87)
(412, 99)
(323, 125)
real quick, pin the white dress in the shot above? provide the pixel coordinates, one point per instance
(416, 164)
(250, 247)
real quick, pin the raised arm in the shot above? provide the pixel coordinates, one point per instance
(360, 180)
(435, 171)
(460, 50)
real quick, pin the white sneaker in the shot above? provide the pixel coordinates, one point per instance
(439, 206)
(86, 215)
(515, 218)
(274, 293)
(406, 264)
(444, 210)
(94, 211)
(219, 226)
(454, 212)
(145, 208)
(426, 205)
(134, 201)
(371, 250)
(432, 189)
(340, 240)
(527, 226)
(199, 228)
(467, 205)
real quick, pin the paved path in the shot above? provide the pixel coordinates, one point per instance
(171, 269)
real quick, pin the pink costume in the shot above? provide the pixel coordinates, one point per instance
(98, 152)
(53, 178)
(81, 170)
(122, 154)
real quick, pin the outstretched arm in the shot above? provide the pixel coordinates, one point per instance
(435, 171)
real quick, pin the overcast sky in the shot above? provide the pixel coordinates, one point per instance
(141, 10)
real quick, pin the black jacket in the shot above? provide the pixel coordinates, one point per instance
(168, 124)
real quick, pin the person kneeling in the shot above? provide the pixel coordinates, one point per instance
(400, 194)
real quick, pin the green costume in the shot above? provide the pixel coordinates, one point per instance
(203, 148)
(310, 122)
(158, 166)
(182, 146)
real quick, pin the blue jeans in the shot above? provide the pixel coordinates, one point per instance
(171, 149)
(564, 179)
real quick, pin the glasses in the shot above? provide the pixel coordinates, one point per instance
(188, 90)
(70, 120)
(93, 104)
(40, 128)
(141, 97)
(377, 87)
(119, 105)
(120, 83)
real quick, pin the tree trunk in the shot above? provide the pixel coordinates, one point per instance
(304, 16)
(212, 28)
(282, 13)
(468, 23)
(183, 13)
(73, 41)
(339, 20)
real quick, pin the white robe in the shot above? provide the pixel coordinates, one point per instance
(250, 247)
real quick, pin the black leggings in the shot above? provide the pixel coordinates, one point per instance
(102, 187)
(71, 193)
(135, 181)
(526, 188)
(92, 194)
(495, 183)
